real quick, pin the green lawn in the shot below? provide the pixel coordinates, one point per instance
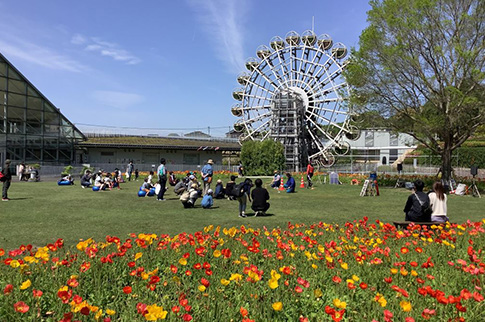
(39, 213)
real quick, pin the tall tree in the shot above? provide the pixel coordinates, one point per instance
(262, 157)
(421, 64)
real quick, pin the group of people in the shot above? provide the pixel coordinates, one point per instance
(101, 180)
(189, 189)
(290, 182)
(422, 207)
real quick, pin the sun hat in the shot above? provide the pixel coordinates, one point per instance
(210, 161)
(210, 191)
(191, 177)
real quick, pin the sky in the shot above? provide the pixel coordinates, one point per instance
(155, 64)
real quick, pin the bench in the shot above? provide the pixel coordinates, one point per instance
(405, 224)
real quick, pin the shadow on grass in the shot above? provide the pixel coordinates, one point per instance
(261, 215)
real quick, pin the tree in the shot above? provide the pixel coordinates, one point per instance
(262, 157)
(420, 63)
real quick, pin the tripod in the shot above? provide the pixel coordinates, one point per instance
(399, 182)
(474, 189)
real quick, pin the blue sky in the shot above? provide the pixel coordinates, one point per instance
(156, 64)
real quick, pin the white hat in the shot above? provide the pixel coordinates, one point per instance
(209, 191)
(210, 161)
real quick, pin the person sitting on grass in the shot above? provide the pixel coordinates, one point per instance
(189, 197)
(86, 179)
(179, 188)
(437, 199)
(146, 186)
(229, 188)
(68, 178)
(207, 200)
(260, 198)
(276, 180)
(290, 184)
(99, 181)
(172, 179)
(220, 191)
(117, 179)
(416, 203)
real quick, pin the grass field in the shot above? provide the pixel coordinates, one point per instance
(39, 213)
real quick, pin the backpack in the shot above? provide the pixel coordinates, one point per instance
(2, 177)
(426, 210)
(238, 190)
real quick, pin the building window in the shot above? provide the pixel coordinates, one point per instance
(191, 158)
(393, 139)
(369, 138)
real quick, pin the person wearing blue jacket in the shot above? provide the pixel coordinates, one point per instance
(290, 184)
(207, 200)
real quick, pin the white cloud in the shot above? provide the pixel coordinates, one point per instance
(39, 55)
(222, 21)
(120, 100)
(78, 39)
(105, 48)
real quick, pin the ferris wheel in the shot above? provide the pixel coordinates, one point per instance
(294, 92)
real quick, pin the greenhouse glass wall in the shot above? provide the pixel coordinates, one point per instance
(32, 129)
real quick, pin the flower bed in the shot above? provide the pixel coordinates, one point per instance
(360, 272)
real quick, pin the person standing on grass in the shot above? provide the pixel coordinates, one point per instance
(260, 198)
(207, 173)
(309, 174)
(290, 184)
(162, 179)
(129, 169)
(6, 179)
(437, 198)
(243, 199)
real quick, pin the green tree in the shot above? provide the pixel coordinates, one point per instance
(262, 157)
(421, 64)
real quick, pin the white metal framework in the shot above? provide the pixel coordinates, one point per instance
(295, 93)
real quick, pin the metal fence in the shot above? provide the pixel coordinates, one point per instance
(345, 164)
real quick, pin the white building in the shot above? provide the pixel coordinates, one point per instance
(380, 146)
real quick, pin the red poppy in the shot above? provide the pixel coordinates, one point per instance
(336, 279)
(363, 285)
(187, 317)
(127, 289)
(188, 272)
(21, 307)
(204, 282)
(65, 296)
(173, 268)
(427, 313)
(37, 293)
(175, 309)
(77, 299)
(477, 296)
(72, 282)
(298, 289)
(85, 310)
(141, 308)
(197, 266)
(243, 311)
(8, 289)
(388, 316)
